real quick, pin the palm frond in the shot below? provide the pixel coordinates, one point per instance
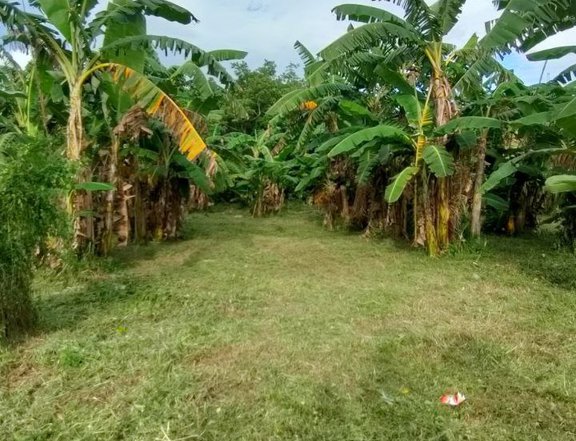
(367, 14)
(363, 136)
(292, 100)
(419, 14)
(316, 117)
(447, 13)
(173, 45)
(369, 36)
(161, 106)
(305, 55)
(525, 23)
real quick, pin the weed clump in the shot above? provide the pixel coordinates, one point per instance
(31, 177)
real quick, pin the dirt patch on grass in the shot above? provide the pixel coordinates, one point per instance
(232, 371)
(25, 375)
(232, 355)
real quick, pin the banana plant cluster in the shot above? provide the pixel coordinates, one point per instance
(414, 90)
(88, 69)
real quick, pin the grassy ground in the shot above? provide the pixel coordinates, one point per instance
(275, 329)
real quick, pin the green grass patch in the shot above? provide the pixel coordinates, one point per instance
(274, 329)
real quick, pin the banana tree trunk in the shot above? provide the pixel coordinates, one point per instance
(82, 200)
(476, 215)
(345, 204)
(257, 210)
(445, 111)
(107, 237)
(123, 223)
(75, 132)
(429, 226)
(140, 214)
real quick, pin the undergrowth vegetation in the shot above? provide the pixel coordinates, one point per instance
(29, 215)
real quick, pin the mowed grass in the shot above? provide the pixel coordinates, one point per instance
(275, 329)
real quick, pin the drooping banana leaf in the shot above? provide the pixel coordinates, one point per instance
(399, 182)
(439, 160)
(305, 55)
(469, 123)
(355, 140)
(367, 14)
(161, 106)
(368, 36)
(561, 184)
(504, 171)
(292, 100)
(552, 54)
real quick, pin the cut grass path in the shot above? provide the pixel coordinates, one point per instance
(275, 329)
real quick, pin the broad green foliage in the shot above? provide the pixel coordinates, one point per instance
(296, 98)
(505, 170)
(357, 139)
(552, 54)
(440, 162)
(365, 14)
(59, 13)
(396, 188)
(470, 123)
(397, 81)
(117, 30)
(561, 184)
(368, 35)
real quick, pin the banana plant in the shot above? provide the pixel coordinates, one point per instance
(259, 174)
(69, 31)
(31, 94)
(427, 158)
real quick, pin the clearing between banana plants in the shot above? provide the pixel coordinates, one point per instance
(276, 329)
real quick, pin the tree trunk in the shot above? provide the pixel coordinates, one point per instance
(345, 205)
(82, 200)
(107, 237)
(140, 215)
(476, 216)
(123, 224)
(445, 111)
(443, 213)
(429, 226)
(75, 133)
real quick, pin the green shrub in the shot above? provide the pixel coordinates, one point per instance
(32, 176)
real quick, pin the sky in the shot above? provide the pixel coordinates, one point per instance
(267, 29)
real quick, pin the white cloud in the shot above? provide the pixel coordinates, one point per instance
(267, 29)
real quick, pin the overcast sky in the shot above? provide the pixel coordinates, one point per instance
(267, 29)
